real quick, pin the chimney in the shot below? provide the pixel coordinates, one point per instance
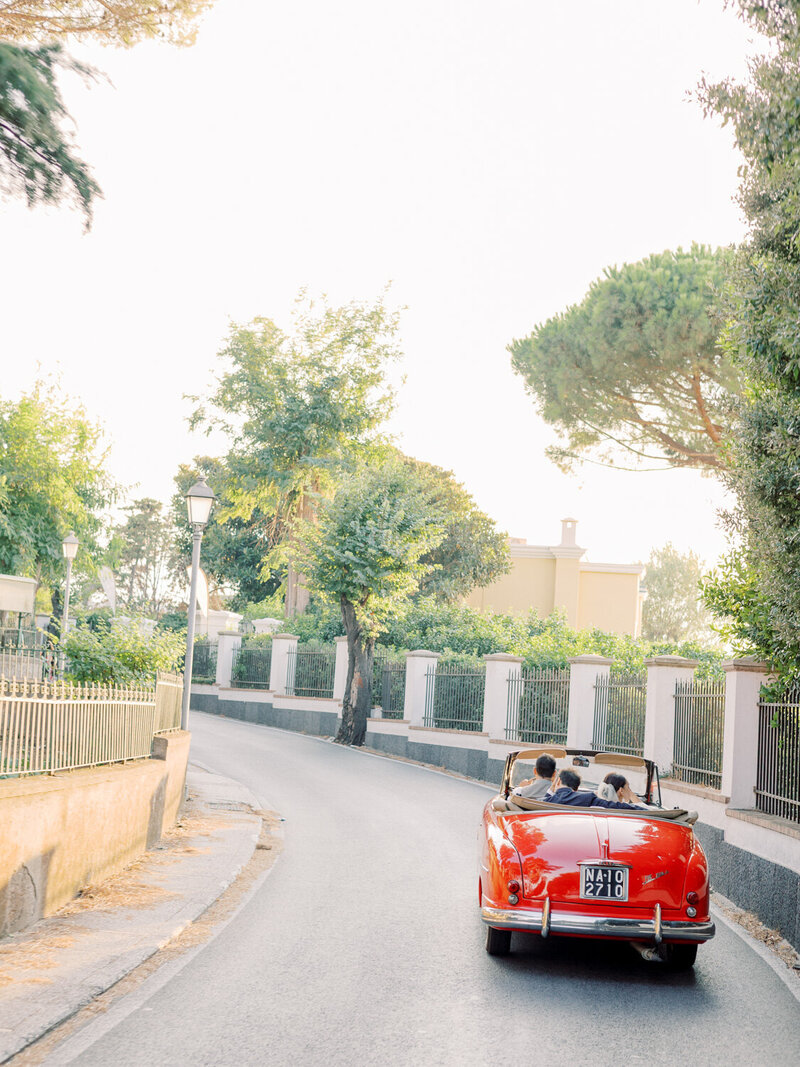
(568, 533)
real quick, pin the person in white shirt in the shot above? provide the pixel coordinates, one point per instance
(541, 784)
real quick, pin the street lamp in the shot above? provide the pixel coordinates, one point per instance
(69, 546)
(199, 501)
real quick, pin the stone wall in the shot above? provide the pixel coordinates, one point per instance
(62, 832)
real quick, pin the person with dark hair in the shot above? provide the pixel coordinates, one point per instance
(616, 787)
(566, 792)
(541, 784)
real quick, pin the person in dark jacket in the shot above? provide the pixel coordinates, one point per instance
(566, 792)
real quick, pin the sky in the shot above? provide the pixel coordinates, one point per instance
(486, 159)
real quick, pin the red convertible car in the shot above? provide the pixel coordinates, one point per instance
(590, 871)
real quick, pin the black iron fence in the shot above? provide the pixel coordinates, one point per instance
(538, 705)
(454, 698)
(27, 653)
(309, 673)
(389, 685)
(699, 730)
(16, 637)
(619, 707)
(251, 666)
(204, 663)
(778, 767)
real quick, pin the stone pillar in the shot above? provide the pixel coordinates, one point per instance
(659, 721)
(499, 668)
(212, 622)
(583, 673)
(340, 670)
(281, 645)
(743, 681)
(417, 665)
(228, 641)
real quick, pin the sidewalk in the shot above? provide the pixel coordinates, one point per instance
(58, 966)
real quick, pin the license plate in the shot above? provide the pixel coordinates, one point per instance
(604, 883)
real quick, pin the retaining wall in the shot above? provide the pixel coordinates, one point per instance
(762, 886)
(305, 715)
(61, 832)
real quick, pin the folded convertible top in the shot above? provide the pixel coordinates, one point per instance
(517, 803)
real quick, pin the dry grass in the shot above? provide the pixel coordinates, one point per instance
(24, 957)
(753, 925)
(20, 961)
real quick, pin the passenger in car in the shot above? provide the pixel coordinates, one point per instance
(537, 787)
(616, 787)
(566, 792)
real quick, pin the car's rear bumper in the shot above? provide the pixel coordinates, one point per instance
(565, 922)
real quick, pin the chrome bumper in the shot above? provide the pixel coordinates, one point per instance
(565, 922)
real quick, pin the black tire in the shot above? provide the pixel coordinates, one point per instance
(498, 942)
(680, 957)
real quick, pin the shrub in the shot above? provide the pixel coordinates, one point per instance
(464, 635)
(269, 608)
(256, 640)
(122, 655)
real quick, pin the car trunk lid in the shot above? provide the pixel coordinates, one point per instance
(553, 846)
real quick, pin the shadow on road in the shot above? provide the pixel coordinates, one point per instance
(591, 962)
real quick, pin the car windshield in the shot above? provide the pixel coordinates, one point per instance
(592, 769)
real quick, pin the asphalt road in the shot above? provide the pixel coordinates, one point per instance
(363, 946)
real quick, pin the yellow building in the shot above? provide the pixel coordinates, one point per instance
(547, 577)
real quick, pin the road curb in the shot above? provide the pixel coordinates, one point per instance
(790, 979)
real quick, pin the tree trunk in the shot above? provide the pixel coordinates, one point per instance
(54, 626)
(357, 702)
(297, 591)
(297, 595)
(290, 607)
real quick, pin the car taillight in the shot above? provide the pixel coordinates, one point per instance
(513, 886)
(692, 898)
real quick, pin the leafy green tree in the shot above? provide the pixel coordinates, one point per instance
(299, 408)
(473, 551)
(757, 590)
(37, 157)
(742, 614)
(53, 478)
(142, 556)
(122, 22)
(673, 609)
(366, 554)
(234, 550)
(635, 367)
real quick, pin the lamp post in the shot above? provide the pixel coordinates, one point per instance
(199, 501)
(69, 546)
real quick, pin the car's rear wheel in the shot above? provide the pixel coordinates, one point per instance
(680, 957)
(498, 942)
